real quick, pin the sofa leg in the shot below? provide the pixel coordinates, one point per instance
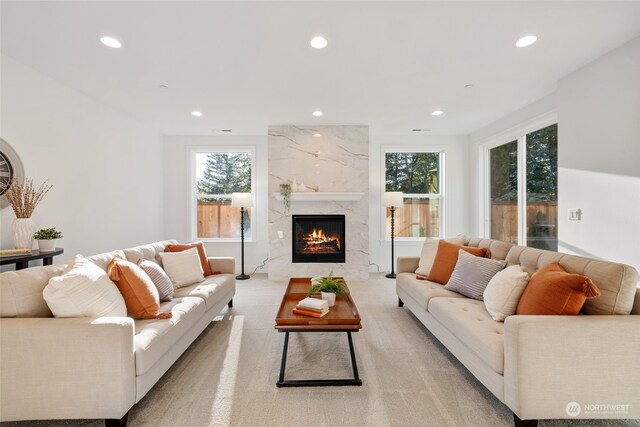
(230, 303)
(112, 422)
(400, 303)
(517, 422)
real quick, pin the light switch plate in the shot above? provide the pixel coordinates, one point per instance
(575, 214)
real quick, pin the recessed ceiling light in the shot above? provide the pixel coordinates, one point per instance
(437, 113)
(317, 113)
(420, 130)
(225, 130)
(526, 41)
(111, 42)
(319, 42)
(196, 113)
(317, 134)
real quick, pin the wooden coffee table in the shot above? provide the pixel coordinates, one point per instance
(343, 317)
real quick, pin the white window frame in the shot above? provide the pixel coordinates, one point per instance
(517, 133)
(193, 192)
(441, 196)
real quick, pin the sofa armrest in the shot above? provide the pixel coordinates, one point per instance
(407, 264)
(66, 368)
(551, 361)
(224, 265)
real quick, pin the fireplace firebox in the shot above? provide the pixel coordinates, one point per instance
(318, 238)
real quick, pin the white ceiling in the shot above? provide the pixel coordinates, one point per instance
(248, 65)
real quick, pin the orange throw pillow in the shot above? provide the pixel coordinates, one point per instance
(206, 268)
(554, 291)
(139, 293)
(447, 257)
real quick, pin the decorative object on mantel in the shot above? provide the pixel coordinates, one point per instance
(242, 201)
(46, 238)
(328, 288)
(24, 199)
(285, 192)
(294, 185)
(393, 199)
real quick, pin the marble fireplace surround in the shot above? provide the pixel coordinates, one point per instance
(337, 163)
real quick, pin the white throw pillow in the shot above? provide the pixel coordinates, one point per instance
(183, 268)
(503, 292)
(428, 254)
(83, 290)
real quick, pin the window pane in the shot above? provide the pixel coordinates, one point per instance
(417, 218)
(220, 174)
(503, 164)
(412, 173)
(542, 188)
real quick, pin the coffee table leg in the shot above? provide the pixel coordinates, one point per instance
(356, 377)
(284, 359)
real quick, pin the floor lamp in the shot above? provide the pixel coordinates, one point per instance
(393, 199)
(242, 201)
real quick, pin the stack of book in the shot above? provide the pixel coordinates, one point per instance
(313, 307)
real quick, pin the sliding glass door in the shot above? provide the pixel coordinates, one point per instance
(523, 189)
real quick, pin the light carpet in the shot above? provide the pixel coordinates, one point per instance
(228, 375)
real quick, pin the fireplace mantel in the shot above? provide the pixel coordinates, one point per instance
(324, 196)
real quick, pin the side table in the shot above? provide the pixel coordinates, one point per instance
(22, 260)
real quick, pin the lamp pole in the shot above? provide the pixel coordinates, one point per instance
(392, 275)
(242, 276)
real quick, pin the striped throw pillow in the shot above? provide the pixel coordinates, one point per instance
(159, 278)
(472, 274)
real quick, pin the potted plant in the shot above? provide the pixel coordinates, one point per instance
(47, 239)
(23, 199)
(328, 288)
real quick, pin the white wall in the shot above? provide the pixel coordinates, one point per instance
(599, 156)
(104, 167)
(456, 218)
(177, 190)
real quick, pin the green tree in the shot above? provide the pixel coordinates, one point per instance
(226, 173)
(415, 173)
(542, 165)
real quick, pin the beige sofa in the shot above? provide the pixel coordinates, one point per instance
(542, 367)
(73, 368)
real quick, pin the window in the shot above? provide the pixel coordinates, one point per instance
(419, 176)
(523, 193)
(217, 174)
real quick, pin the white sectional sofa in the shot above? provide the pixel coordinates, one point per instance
(542, 367)
(74, 368)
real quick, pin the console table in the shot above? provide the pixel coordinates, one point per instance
(22, 260)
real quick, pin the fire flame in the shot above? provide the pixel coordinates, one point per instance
(317, 237)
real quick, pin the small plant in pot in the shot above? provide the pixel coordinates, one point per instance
(47, 239)
(328, 288)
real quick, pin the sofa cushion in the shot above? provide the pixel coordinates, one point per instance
(161, 281)
(149, 252)
(210, 290)
(617, 283)
(503, 292)
(553, 291)
(183, 268)
(428, 254)
(499, 249)
(206, 269)
(83, 290)
(472, 274)
(446, 259)
(469, 321)
(422, 290)
(103, 260)
(139, 293)
(21, 291)
(154, 337)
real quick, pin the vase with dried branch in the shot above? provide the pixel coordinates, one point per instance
(23, 199)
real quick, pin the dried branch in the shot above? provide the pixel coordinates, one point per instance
(24, 198)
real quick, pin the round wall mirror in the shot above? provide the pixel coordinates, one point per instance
(10, 168)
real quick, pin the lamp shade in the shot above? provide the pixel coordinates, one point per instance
(241, 200)
(393, 198)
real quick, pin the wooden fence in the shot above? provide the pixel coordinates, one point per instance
(542, 221)
(416, 219)
(216, 219)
